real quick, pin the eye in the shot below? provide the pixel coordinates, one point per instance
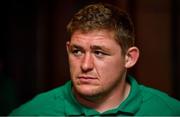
(99, 53)
(77, 52)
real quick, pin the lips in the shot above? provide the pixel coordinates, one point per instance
(87, 79)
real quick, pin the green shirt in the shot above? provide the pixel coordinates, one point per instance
(142, 100)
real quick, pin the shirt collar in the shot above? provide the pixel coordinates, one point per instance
(128, 107)
(134, 100)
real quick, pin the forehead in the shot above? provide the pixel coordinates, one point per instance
(103, 40)
(95, 36)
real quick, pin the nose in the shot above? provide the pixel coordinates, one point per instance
(87, 63)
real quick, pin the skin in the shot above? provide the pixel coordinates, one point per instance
(98, 69)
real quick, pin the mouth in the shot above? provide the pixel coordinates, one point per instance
(87, 79)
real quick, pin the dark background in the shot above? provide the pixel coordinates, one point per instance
(33, 56)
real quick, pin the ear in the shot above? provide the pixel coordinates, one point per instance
(131, 57)
(67, 46)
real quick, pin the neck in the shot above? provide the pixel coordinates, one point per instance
(107, 101)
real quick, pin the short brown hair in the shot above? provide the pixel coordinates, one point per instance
(104, 16)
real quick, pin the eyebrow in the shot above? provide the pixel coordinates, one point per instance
(93, 47)
(97, 47)
(75, 46)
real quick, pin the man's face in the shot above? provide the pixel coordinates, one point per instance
(97, 65)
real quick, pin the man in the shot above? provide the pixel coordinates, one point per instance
(100, 50)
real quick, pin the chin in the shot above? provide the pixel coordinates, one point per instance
(87, 91)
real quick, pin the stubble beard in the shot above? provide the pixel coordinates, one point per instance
(95, 94)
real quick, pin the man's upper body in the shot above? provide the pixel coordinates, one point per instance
(101, 49)
(141, 100)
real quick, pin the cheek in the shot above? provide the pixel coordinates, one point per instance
(74, 65)
(111, 69)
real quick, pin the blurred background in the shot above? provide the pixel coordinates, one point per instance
(33, 56)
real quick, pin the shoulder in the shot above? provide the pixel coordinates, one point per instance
(47, 103)
(159, 102)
